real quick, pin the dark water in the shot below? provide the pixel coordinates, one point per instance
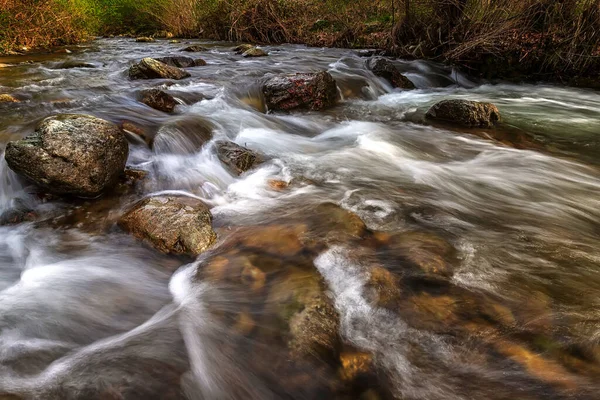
(477, 278)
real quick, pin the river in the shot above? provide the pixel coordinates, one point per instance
(485, 242)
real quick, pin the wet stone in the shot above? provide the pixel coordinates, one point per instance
(173, 225)
(144, 39)
(254, 52)
(158, 100)
(237, 158)
(73, 154)
(74, 64)
(186, 135)
(7, 98)
(194, 49)
(470, 114)
(150, 68)
(242, 48)
(386, 69)
(313, 91)
(182, 61)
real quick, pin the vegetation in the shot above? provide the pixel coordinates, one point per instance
(546, 39)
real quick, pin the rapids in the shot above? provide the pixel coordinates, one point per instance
(89, 312)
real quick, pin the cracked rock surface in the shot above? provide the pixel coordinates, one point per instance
(71, 154)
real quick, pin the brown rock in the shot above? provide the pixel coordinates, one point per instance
(277, 184)
(465, 113)
(355, 364)
(313, 91)
(237, 158)
(194, 49)
(71, 154)
(158, 100)
(383, 288)
(175, 225)
(254, 52)
(182, 61)
(242, 48)
(183, 136)
(144, 39)
(7, 98)
(385, 69)
(150, 68)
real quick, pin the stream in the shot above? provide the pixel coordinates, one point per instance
(477, 275)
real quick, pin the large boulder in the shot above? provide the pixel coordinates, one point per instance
(237, 158)
(71, 154)
(386, 70)
(465, 113)
(173, 225)
(149, 68)
(158, 100)
(182, 61)
(313, 91)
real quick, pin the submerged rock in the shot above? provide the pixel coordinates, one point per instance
(194, 49)
(144, 39)
(71, 154)
(183, 136)
(385, 69)
(173, 225)
(182, 61)
(465, 113)
(242, 48)
(255, 52)
(7, 98)
(313, 91)
(74, 64)
(158, 100)
(149, 68)
(237, 158)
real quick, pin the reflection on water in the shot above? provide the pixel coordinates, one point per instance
(370, 256)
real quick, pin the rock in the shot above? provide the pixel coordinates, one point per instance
(385, 69)
(7, 98)
(354, 364)
(194, 49)
(175, 41)
(255, 52)
(74, 64)
(431, 254)
(314, 91)
(301, 304)
(173, 225)
(333, 224)
(144, 39)
(383, 288)
(281, 240)
(465, 113)
(237, 158)
(182, 61)
(242, 48)
(183, 136)
(277, 184)
(150, 68)
(71, 154)
(158, 100)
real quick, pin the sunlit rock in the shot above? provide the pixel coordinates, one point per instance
(144, 39)
(465, 113)
(194, 49)
(7, 98)
(242, 48)
(254, 52)
(150, 68)
(173, 225)
(71, 154)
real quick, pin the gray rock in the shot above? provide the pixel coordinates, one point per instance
(242, 48)
(313, 91)
(173, 225)
(71, 154)
(150, 68)
(465, 113)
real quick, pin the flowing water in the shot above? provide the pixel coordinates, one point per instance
(478, 276)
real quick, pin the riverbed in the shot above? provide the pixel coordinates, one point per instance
(476, 273)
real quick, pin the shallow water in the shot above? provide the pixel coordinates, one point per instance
(492, 237)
